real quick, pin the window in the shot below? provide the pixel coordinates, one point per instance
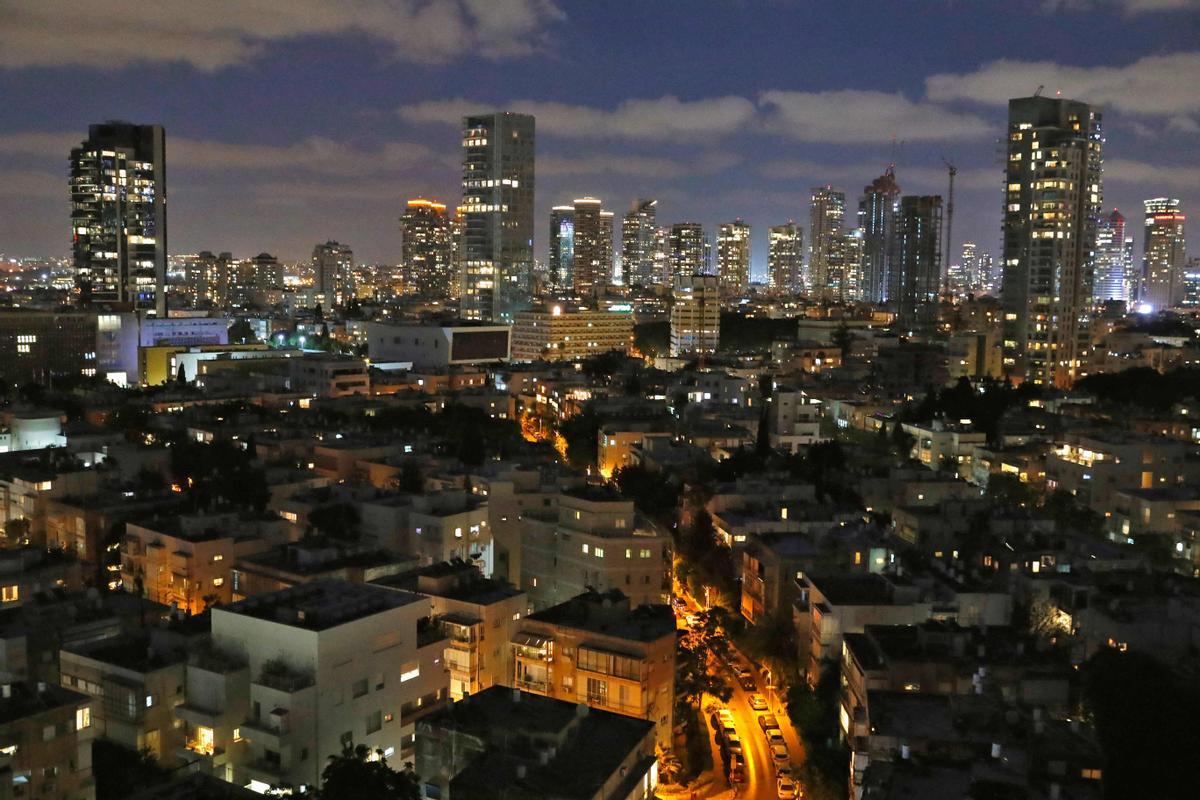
(48, 733)
(585, 549)
(388, 717)
(218, 557)
(599, 552)
(359, 688)
(149, 701)
(408, 675)
(10, 594)
(1090, 774)
(379, 681)
(83, 718)
(629, 552)
(218, 581)
(237, 734)
(374, 722)
(643, 554)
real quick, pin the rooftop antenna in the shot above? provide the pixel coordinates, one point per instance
(1041, 87)
(953, 170)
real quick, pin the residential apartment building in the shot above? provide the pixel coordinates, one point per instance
(594, 542)
(695, 315)
(46, 742)
(598, 650)
(501, 739)
(325, 664)
(733, 257)
(559, 333)
(1094, 467)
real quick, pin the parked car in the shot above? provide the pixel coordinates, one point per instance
(775, 737)
(734, 742)
(786, 789)
(780, 756)
(758, 702)
(767, 721)
(737, 768)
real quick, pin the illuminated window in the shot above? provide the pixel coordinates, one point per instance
(599, 552)
(10, 594)
(83, 718)
(218, 581)
(586, 549)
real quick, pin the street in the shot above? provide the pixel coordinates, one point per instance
(760, 782)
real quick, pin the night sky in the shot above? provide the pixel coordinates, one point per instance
(294, 122)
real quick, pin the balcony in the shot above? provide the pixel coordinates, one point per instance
(532, 685)
(277, 675)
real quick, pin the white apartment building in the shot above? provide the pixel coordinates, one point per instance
(558, 333)
(695, 314)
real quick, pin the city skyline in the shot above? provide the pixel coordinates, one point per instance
(709, 146)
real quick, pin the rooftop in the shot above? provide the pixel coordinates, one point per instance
(609, 614)
(27, 700)
(322, 604)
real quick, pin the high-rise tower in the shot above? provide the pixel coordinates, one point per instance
(689, 249)
(733, 257)
(1165, 254)
(785, 258)
(1053, 194)
(637, 244)
(1112, 261)
(916, 274)
(118, 188)
(562, 245)
(827, 214)
(877, 212)
(497, 209)
(427, 248)
(333, 272)
(586, 260)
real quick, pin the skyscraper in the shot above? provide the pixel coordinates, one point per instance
(333, 272)
(427, 248)
(605, 273)
(827, 214)
(1164, 254)
(877, 212)
(733, 257)
(916, 275)
(118, 188)
(497, 184)
(1052, 203)
(968, 277)
(850, 263)
(637, 243)
(990, 274)
(689, 249)
(1191, 283)
(1113, 261)
(662, 257)
(785, 258)
(562, 245)
(589, 247)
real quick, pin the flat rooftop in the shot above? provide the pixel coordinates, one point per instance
(609, 614)
(322, 604)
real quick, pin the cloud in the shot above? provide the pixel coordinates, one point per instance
(1151, 178)
(864, 116)
(843, 116)
(663, 119)
(635, 165)
(1154, 85)
(314, 154)
(1129, 7)
(215, 34)
(27, 183)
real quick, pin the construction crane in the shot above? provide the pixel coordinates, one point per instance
(953, 170)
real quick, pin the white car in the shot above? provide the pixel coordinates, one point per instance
(758, 702)
(786, 788)
(780, 756)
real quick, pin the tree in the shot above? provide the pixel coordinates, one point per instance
(353, 776)
(842, 338)
(16, 530)
(410, 478)
(902, 441)
(181, 376)
(240, 332)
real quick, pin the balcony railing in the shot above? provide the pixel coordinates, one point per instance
(532, 685)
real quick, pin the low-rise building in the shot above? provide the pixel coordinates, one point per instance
(563, 333)
(597, 649)
(511, 743)
(46, 742)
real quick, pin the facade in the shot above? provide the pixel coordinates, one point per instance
(36, 345)
(185, 562)
(478, 616)
(916, 271)
(562, 245)
(733, 257)
(333, 272)
(638, 250)
(559, 333)
(209, 277)
(1052, 204)
(1191, 283)
(118, 188)
(599, 650)
(1115, 277)
(46, 735)
(695, 314)
(588, 253)
(497, 211)
(785, 258)
(426, 248)
(329, 375)
(314, 667)
(607, 270)
(436, 346)
(827, 214)
(878, 211)
(1165, 254)
(689, 249)
(592, 542)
